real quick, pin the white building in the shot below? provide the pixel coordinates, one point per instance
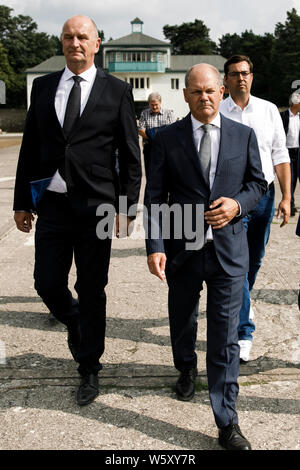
(144, 62)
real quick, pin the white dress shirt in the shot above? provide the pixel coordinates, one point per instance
(61, 98)
(264, 118)
(292, 138)
(215, 135)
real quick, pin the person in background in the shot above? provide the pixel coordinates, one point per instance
(264, 118)
(150, 120)
(291, 124)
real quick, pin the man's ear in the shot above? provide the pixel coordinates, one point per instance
(97, 45)
(185, 95)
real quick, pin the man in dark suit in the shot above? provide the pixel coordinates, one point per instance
(291, 124)
(78, 119)
(227, 184)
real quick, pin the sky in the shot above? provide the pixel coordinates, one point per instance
(114, 16)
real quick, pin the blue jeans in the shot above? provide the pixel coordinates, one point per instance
(258, 225)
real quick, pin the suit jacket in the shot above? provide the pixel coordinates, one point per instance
(107, 124)
(176, 178)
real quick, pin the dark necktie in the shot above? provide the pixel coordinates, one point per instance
(205, 151)
(73, 106)
(72, 114)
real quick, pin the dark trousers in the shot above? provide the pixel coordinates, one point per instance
(224, 299)
(147, 153)
(294, 156)
(60, 235)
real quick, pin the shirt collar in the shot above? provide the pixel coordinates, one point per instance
(197, 124)
(161, 112)
(232, 105)
(87, 75)
(292, 114)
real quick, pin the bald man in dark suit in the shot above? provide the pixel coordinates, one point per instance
(78, 119)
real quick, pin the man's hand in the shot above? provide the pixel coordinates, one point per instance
(24, 221)
(284, 209)
(122, 226)
(142, 132)
(223, 210)
(156, 264)
(283, 172)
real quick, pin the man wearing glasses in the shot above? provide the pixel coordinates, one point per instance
(263, 116)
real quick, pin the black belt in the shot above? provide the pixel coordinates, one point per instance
(271, 186)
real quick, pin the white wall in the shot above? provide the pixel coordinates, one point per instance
(29, 79)
(171, 99)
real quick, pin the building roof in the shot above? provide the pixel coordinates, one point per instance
(136, 39)
(180, 63)
(136, 21)
(54, 64)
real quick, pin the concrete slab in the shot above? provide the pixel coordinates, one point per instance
(137, 408)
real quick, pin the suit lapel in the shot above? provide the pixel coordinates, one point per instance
(225, 149)
(51, 99)
(186, 139)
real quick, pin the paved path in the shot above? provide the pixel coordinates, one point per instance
(137, 408)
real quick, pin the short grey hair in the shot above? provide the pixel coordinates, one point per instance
(86, 17)
(294, 98)
(154, 96)
(214, 69)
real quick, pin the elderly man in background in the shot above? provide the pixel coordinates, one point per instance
(150, 120)
(291, 124)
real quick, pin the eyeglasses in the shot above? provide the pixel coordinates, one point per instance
(236, 74)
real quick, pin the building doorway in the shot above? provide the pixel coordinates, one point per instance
(139, 106)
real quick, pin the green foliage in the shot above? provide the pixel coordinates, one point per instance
(286, 58)
(259, 49)
(190, 38)
(22, 47)
(276, 57)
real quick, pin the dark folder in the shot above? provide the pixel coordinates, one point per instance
(38, 188)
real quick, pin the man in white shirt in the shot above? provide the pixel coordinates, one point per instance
(291, 124)
(262, 116)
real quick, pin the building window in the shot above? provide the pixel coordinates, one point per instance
(139, 82)
(134, 56)
(175, 83)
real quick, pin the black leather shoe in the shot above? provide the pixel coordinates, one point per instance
(88, 389)
(74, 339)
(231, 438)
(185, 386)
